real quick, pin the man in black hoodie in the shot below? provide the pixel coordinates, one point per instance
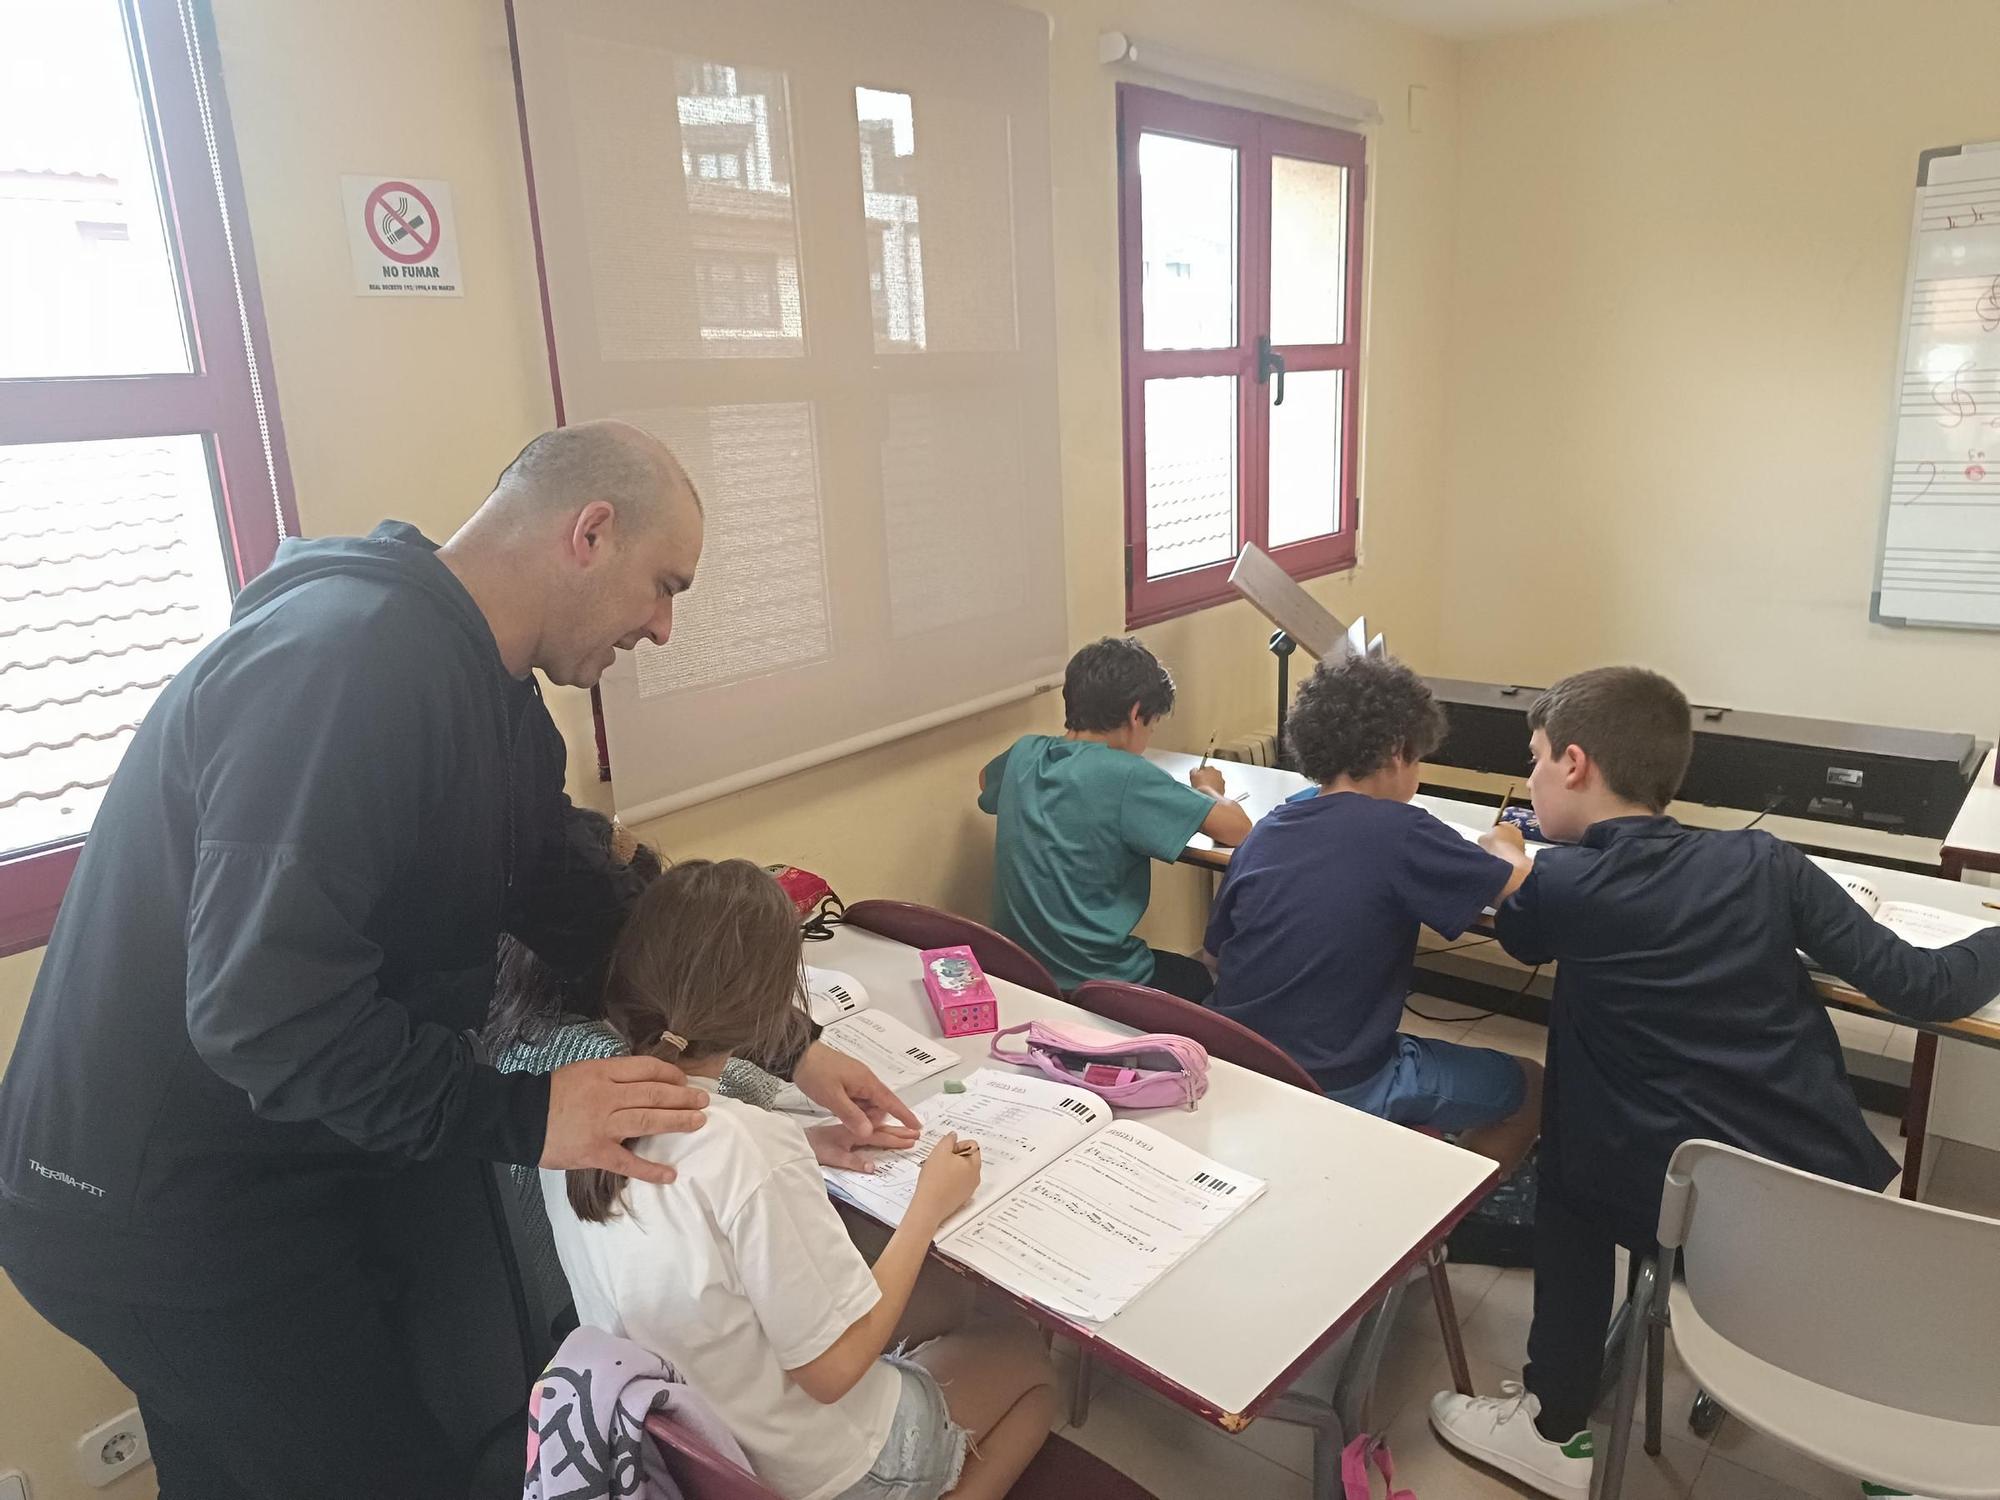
(252, 1015)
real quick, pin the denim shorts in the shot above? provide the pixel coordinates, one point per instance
(1446, 1086)
(925, 1449)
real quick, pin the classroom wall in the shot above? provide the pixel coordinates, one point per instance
(1682, 238)
(402, 409)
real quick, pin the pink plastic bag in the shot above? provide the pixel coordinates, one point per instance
(1354, 1469)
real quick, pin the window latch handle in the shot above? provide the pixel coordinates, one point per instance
(1269, 363)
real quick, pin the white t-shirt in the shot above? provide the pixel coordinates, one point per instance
(736, 1272)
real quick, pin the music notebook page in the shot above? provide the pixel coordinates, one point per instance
(1940, 554)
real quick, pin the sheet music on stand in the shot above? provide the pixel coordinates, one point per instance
(1939, 560)
(1279, 599)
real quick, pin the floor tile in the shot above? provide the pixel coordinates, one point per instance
(1722, 1480)
(1669, 1476)
(1175, 1454)
(1735, 1443)
(1426, 1026)
(1864, 1034)
(1497, 1330)
(1512, 1035)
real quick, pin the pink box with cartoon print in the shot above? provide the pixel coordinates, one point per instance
(960, 997)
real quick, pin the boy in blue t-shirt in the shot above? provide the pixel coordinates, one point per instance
(1315, 927)
(1082, 815)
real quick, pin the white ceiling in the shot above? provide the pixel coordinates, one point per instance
(1484, 18)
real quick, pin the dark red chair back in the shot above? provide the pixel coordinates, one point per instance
(927, 927)
(1148, 1009)
(701, 1472)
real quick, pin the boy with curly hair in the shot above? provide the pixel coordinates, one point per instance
(1315, 928)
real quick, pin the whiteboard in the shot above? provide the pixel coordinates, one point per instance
(1939, 562)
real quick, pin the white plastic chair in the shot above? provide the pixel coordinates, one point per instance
(1861, 1330)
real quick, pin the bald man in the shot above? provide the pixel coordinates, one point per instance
(252, 1016)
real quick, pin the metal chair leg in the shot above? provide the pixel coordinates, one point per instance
(1633, 1357)
(1447, 1311)
(1656, 1382)
(1079, 1391)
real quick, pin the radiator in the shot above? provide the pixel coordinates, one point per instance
(1248, 749)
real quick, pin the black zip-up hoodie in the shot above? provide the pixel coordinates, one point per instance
(284, 919)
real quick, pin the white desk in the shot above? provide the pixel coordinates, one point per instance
(1353, 1203)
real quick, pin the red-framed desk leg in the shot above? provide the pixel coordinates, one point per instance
(1916, 1112)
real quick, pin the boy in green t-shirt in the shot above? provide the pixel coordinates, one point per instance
(1082, 815)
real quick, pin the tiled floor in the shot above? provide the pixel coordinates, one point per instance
(1179, 1457)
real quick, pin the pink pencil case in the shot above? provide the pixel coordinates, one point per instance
(1155, 1071)
(960, 997)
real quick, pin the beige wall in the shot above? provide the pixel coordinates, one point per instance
(408, 410)
(1681, 243)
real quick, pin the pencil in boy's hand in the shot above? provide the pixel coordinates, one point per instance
(965, 1148)
(1211, 748)
(1506, 798)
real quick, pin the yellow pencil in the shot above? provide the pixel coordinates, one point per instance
(1506, 798)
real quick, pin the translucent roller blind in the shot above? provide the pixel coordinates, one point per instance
(808, 244)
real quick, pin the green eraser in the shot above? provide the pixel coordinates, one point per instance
(953, 1086)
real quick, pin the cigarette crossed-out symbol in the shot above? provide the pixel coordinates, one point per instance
(402, 222)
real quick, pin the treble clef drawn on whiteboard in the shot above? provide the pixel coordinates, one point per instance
(1988, 308)
(1957, 403)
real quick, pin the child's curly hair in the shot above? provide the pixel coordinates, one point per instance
(1355, 715)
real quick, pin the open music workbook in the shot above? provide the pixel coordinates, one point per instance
(1925, 926)
(899, 1055)
(1075, 1210)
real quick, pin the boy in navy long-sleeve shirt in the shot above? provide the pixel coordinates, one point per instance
(1682, 1011)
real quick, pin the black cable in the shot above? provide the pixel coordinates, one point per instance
(818, 928)
(1478, 1015)
(1771, 808)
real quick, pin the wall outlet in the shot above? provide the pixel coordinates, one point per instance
(113, 1448)
(13, 1485)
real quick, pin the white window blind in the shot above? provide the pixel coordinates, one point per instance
(807, 243)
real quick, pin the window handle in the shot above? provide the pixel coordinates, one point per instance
(1270, 362)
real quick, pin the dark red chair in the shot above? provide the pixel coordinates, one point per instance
(1147, 1009)
(701, 1472)
(1061, 1471)
(927, 927)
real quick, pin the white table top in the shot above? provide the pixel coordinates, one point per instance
(1975, 832)
(1267, 787)
(1352, 1200)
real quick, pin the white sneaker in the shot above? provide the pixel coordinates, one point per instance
(1500, 1431)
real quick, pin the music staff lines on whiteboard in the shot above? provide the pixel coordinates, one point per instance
(1970, 204)
(1948, 301)
(1953, 399)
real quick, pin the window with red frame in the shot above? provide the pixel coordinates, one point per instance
(1240, 263)
(142, 470)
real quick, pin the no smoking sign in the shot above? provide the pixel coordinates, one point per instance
(403, 237)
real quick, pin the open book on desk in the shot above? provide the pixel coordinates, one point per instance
(1076, 1210)
(1925, 926)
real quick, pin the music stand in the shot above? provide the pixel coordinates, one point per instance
(1301, 620)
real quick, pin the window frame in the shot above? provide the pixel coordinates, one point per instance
(228, 397)
(1257, 138)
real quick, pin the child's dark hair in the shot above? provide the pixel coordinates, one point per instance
(1355, 715)
(709, 962)
(1107, 679)
(1633, 723)
(529, 996)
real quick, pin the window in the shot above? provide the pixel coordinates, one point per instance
(142, 472)
(1240, 259)
(823, 273)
